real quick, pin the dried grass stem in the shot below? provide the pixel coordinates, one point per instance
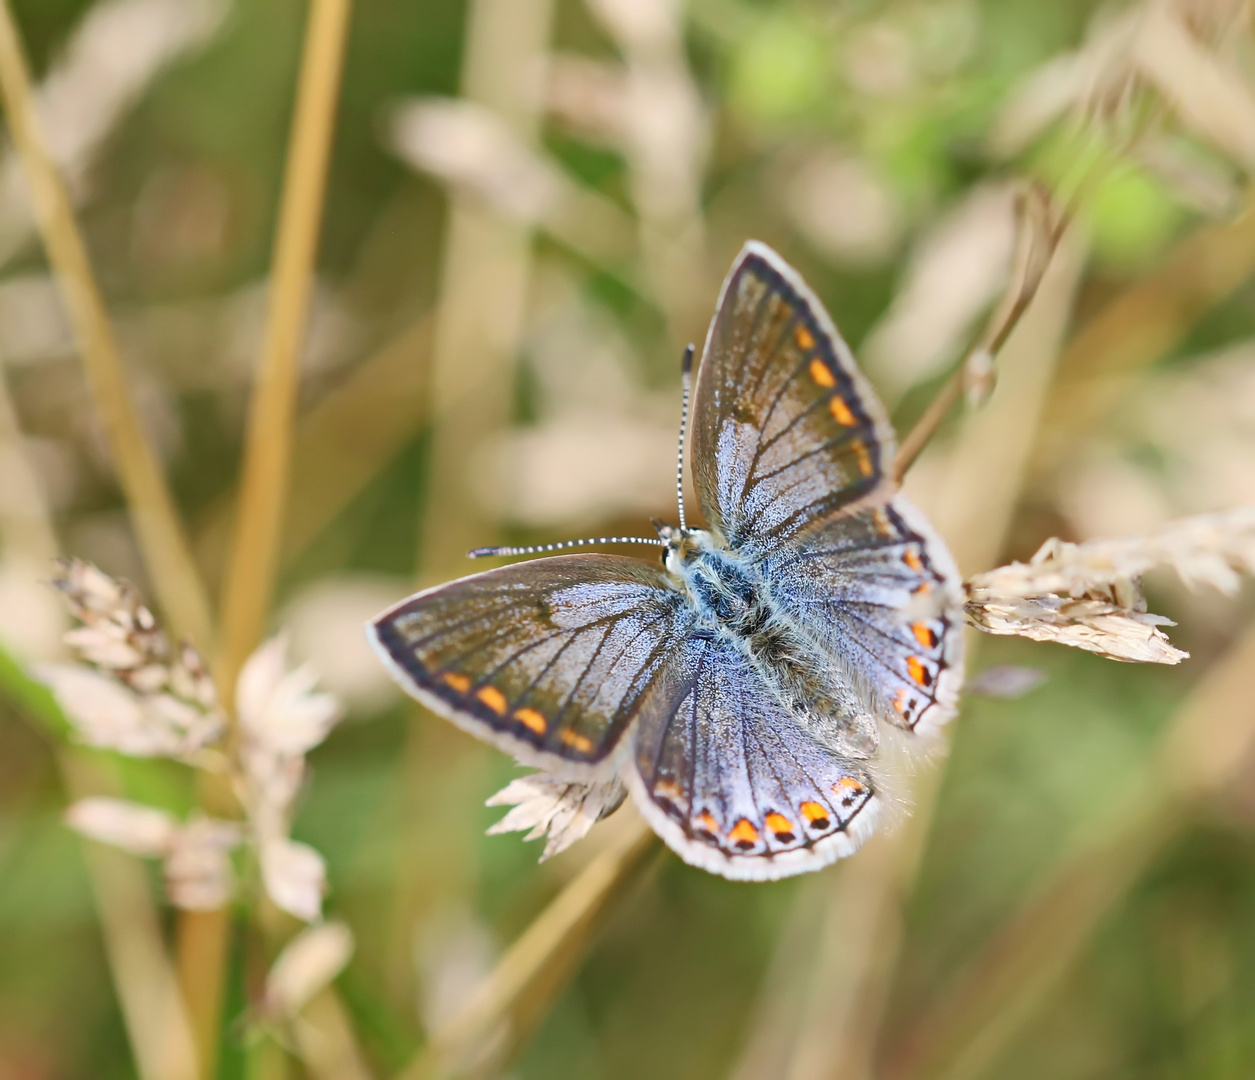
(268, 447)
(152, 508)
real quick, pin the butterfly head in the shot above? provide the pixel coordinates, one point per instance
(680, 545)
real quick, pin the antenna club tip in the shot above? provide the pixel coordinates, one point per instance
(686, 365)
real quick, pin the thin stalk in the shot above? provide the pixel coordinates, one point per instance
(152, 509)
(143, 978)
(249, 587)
(534, 970)
(268, 443)
(1038, 240)
(1205, 748)
(343, 441)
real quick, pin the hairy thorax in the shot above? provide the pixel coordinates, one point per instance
(732, 599)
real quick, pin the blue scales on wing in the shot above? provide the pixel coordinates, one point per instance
(879, 591)
(731, 780)
(550, 660)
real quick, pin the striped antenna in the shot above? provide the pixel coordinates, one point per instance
(686, 369)
(536, 549)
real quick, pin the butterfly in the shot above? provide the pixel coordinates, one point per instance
(745, 690)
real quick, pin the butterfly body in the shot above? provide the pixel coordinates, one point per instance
(734, 601)
(743, 690)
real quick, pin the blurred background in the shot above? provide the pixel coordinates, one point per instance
(530, 207)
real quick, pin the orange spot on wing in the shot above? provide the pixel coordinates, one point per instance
(530, 718)
(493, 698)
(847, 789)
(841, 411)
(457, 682)
(576, 741)
(781, 826)
(815, 814)
(915, 666)
(864, 456)
(883, 525)
(804, 337)
(922, 589)
(705, 822)
(924, 635)
(821, 375)
(912, 559)
(902, 701)
(744, 834)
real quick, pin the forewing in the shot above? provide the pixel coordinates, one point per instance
(786, 430)
(733, 784)
(879, 590)
(549, 660)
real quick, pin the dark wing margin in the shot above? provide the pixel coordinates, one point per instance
(733, 784)
(786, 430)
(879, 591)
(550, 660)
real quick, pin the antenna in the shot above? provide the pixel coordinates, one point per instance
(536, 549)
(686, 369)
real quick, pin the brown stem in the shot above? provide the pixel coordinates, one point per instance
(268, 446)
(153, 514)
(203, 938)
(1041, 229)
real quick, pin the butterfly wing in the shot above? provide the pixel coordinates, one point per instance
(879, 591)
(786, 431)
(549, 660)
(733, 784)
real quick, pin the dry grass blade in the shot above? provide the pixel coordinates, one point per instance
(519, 992)
(267, 457)
(152, 507)
(342, 442)
(1089, 595)
(1205, 747)
(1209, 96)
(1041, 228)
(157, 1025)
(268, 448)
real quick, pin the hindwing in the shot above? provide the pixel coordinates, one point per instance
(879, 591)
(731, 781)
